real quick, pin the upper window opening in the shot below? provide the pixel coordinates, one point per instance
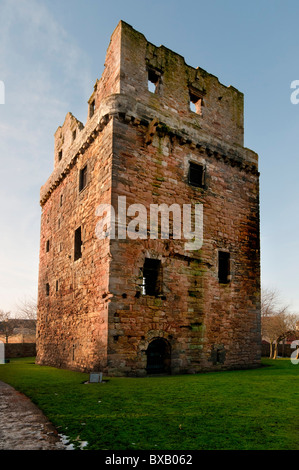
(92, 106)
(223, 267)
(152, 277)
(78, 244)
(74, 135)
(83, 178)
(153, 80)
(60, 155)
(196, 103)
(196, 175)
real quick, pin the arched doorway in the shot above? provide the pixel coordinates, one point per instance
(158, 356)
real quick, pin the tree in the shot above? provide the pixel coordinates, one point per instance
(277, 321)
(7, 324)
(27, 310)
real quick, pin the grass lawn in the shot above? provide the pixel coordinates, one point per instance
(248, 410)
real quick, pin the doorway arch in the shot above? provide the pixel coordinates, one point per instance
(158, 356)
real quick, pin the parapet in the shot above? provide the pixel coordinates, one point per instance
(147, 82)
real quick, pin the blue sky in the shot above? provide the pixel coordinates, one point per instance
(52, 52)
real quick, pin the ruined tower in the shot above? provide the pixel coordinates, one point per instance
(158, 131)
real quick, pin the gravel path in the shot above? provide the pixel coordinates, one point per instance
(22, 425)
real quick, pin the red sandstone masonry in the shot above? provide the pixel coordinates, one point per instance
(139, 144)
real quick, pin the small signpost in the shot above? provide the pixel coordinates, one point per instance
(95, 377)
(2, 353)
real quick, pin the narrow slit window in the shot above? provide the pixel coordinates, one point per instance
(196, 175)
(152, 277)
(83, 178)
(61, 200)
(92, 106)
(47, 289)
(223, 267)
(196, 103)
(60, 155)
(47, 246)
(57, 286)
(74, 135)
(78, 244)
(153, 81)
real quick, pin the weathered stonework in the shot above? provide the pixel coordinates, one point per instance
(93, 314)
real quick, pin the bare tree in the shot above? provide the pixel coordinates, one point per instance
(7, 324)
(27, 310)
(277, 321)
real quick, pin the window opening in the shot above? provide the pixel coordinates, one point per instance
(223, 267)
(78, 244)
(83, 178)
(152, 277)
(196, 175)
(153, 80)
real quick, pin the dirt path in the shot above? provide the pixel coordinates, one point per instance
(22, 425)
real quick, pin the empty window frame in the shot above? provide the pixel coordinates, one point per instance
(152, 277)
(223, 267)
(83, 178)
(195, 102)
(77, 244)
(92, 106)
(196, 175)
(153, 80)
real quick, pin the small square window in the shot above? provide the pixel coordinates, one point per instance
(153, 80)
(77, 244)
(83, 178)
(223, 267)
(196, 176)
(196, 103)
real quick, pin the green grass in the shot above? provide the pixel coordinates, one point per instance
(248, 410)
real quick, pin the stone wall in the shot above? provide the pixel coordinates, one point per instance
(19, 350)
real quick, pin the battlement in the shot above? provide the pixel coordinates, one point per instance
(146, 82)
(160, 79)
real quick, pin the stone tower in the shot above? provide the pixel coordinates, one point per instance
(158, 132)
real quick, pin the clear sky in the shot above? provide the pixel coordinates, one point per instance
(52, 52)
